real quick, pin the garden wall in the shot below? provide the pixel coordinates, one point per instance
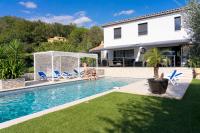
(143, 72)
(12, 83)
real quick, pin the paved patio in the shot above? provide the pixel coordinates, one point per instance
(142, 88)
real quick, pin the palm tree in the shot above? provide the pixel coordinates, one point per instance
(154, 59)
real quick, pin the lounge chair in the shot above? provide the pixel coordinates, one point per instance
(42, 75)
(79, 72)
(69, 75)
(64, 75)
(174, 77)
(57, 74)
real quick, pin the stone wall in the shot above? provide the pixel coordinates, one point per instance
(28, 76)
(12, 83)
(144, 72)
(100, 72)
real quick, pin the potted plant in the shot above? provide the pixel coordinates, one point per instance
(158, 85)
(11, 66)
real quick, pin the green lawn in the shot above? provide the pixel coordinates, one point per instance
(126, 113)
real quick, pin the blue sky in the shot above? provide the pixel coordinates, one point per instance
(84, 12)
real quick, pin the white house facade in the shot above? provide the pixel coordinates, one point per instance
(126, 41)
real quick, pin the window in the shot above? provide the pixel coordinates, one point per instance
(129, 53)
(143, 29)
(177, 23)
(117, 33)
(124, 53)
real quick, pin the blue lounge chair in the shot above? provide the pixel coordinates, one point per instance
(79, 71)
(57, 74)
(69, 75)
(174, 77)
(63, 75)
(42, 75)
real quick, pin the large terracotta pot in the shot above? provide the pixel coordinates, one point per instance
(158, 86)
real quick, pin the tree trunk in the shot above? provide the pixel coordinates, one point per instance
(156, 72)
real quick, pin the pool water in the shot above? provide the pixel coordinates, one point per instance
(19, 103)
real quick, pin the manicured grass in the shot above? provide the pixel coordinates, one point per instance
(126, 113)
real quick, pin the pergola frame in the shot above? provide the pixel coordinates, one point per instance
(53, 54)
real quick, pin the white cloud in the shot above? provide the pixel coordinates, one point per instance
(80, 13)
(28, 4)
(125, 12)
(26, 11)
(177, 3)
(78, 18)
(82, 20)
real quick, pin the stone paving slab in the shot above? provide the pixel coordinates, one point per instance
(142, 88)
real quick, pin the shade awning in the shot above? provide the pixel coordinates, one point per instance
(151, 44)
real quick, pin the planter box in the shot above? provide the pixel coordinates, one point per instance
(12, 83)
(158, 86)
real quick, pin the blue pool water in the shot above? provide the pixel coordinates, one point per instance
(24, 102)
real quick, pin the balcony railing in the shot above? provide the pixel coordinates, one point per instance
(120, 62)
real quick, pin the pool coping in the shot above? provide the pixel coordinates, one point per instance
(45, 84)
(53, 109)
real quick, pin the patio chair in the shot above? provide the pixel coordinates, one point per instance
(42, 75)
(64, 75)
(79, 71)
(57, 74)
(174, 77)
(69, 75)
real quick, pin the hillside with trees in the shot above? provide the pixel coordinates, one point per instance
(33, 36)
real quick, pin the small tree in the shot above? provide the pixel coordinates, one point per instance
(154, 59)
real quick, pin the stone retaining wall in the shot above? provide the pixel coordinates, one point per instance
(144, 72)
(12, 83)
(28, 76)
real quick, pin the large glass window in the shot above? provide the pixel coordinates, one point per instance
(143, 29)
(124, 53)
(117, 33)
(177, 23)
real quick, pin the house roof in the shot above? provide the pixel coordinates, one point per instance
(172, 11)
(98, 48)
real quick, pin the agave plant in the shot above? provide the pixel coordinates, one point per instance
(11, 63)
(154, 58)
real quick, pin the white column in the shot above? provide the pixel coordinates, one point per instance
(34, 56)
(52, 67)
(181, 56)
(78, 66)
(97, 62)
(60, 65)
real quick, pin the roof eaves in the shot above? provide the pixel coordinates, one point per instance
(145, 16)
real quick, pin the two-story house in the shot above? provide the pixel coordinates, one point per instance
(126, 41)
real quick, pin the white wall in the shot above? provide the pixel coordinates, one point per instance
(159, 29)
(144, 72)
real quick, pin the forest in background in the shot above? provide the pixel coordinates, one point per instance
(33, 36)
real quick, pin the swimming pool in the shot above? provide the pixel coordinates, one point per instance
(20, 103)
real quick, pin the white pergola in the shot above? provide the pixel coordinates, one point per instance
(50, 61)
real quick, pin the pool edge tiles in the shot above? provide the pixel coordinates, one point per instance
(53, 109)
(21, 118)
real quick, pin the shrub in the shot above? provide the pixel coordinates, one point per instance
(11, 62)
